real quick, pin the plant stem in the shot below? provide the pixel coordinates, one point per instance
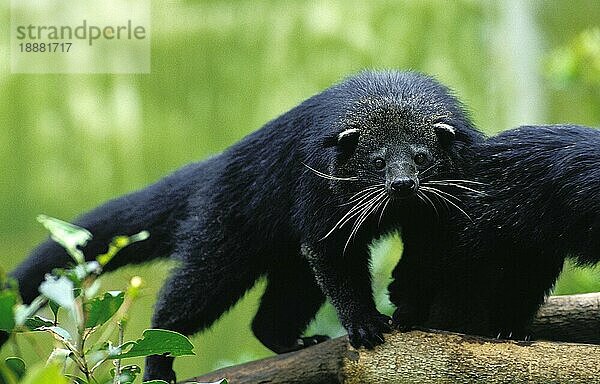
(80, 348)
(82, 334)
(75, 355)
(15, 346)
(117, 378)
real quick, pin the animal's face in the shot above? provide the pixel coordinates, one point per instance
(384, 157)
(393, 139)
(381, 144)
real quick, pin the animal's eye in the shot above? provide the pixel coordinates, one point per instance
(379, 163)
(420, 159)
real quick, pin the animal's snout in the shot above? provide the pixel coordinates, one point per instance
(403, 186)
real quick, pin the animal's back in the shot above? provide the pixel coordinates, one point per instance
(542, 187)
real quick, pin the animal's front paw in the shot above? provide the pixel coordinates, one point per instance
(368, 332)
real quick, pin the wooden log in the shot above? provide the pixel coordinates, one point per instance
(572, 318)
(444, 357)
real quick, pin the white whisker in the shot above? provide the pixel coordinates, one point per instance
(330, 177)
(353, 212)
(449, 195)
(354, 198)
(441, 194)
(363, 217)
(443, 182)
(359, 206)
(366, 211)
(429, 168)
(465, 181)
(387, 200)
(423, 196)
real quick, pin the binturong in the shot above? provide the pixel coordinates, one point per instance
(298, 202)
(532, 201)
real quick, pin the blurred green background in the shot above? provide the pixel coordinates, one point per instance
(221, 69)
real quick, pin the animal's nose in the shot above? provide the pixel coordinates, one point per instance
(403, 186)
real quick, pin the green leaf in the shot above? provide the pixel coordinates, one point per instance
(69, 236)
(40, 374)
(8, 300)
(158, 342)
(16, 365)
(54, 308)
(58, 332)
(59, 356)
(7, 376)
(59, 290)
(100, 309)
(128, 373)
(35, 322)
(96, 357)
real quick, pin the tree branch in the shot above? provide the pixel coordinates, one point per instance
(574, 318)
(436, 356)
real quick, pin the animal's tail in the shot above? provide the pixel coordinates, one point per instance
(155, 209)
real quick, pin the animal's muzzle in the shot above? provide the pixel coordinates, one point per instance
(403, 186)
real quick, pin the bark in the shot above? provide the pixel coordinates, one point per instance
(574, 319)
(443, 357)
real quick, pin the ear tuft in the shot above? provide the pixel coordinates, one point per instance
(345, 140)
(445, 132)
(348, 139)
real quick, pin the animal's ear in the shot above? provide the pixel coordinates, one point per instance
(346, 140)
(445, 132)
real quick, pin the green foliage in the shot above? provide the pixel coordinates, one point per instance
(54, 308)
(49, 374)
(35, 322)
(128, 374)
(8, 300)
(119, 243)
(158, 342)
(59, 290)
(59, 333)
(74, 359)
(11, 370)
(69, 236)
(100, 309)
(16, 365)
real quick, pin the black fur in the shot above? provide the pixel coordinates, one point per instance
(266, 205)
(489, 276)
